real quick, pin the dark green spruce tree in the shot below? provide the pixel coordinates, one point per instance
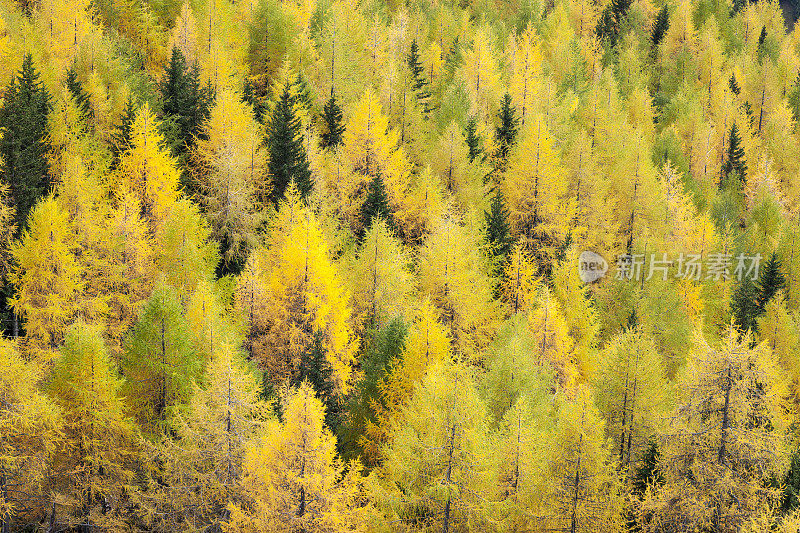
(24, 145)
(185, 103)
(498, 232)
(121, 136)
(794, 100)
(375, 205)
(316, 370)
(659, 29)
(506, 130)
(743, 306)
(80, 96)
(473, 140)
(761, 48)
(420, 84)
(770, 281)
(734, 171)
(331, 137)
(287, 156)
(734, 85)
(610, 22)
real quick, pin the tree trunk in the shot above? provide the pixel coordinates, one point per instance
(725, 419)
(448, 480)
(5, 518)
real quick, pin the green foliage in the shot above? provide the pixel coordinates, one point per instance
(507, 129)
(734, 171)
(287, 156)
(159, 362)
(24, 143)
(331, 137)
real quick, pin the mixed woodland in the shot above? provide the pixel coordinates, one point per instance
(314, 266)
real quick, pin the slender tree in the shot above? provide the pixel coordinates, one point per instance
(334, 129)
(287, 159)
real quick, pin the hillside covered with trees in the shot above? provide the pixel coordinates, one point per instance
(342, 265)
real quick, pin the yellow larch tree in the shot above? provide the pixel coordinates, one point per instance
(554, 345)
(536, 187)
(30, 427)
(303, 299)
(293, 477)
(230, 173)
(94, 460)
(520, 281)
(147, 168)
(729, 435)
(47, 278)
(453, 274)
(462, 179)
(526, 58)
(379, 276)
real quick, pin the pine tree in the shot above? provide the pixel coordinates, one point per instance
(287, 159)
(186, 103)
(734, 171)
(331, 137)
(659, 28)
(375, 205)
(159, 363)
(498, 231)
(506, 131)
(123, 132)
(611, 20)
(79, 95)
(761, 46)
(743, 305)
(24, 144)
(417, 71)
(734, 85)
(770, 281)
(473, 139)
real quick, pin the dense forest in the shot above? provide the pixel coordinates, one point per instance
(367, 265)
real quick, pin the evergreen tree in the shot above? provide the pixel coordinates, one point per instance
(375, 205)
(610, 23)
(659, 28)
(334, 129)
(24, 144)
(473, 140)
(249, 95)
(417, 71)
(498, 231)
(121, 137)
(762, 41)
(734, 171)
(316, 370)
(185, 103)
(734, 85)
(738, 5)
(770, 281)
(743, 307)
(80, 96)
(506, 131)
(794, 99)
(287, 155)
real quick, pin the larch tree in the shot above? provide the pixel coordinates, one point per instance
(224, 417)
(230, 174)
(159, 362)
(304, 300)
(555, 346)
(293, 477)
(535, 188)
(728, 436)
(148, 169)
(380, 277)
(30, 428)
(47, 278)
(94, 459)
(453, 274)
(437, 471)
(635, 394)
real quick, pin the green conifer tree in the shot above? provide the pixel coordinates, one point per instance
(473, 140)
(743, 307)
(659, 29)
(287, 155)
(734, 171)
(334, 129)
(770, 281)
(80, 96)
(159, 362)
(24, 144)
(121, 137)
(506, 131)
(420, 84)
(375, 205)
(498, 232)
